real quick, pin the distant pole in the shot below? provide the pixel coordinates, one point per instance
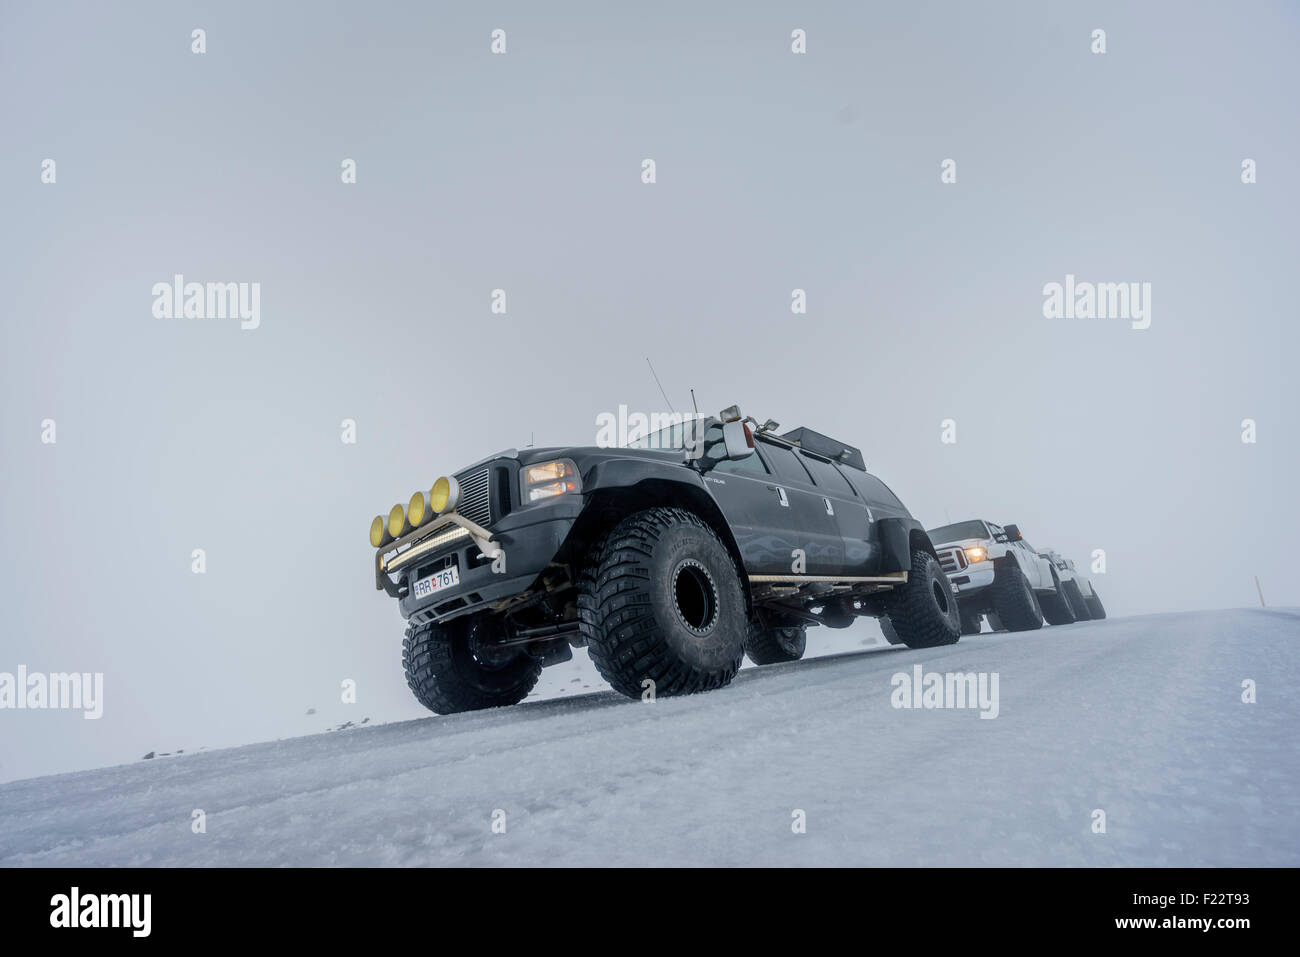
(1261, 593)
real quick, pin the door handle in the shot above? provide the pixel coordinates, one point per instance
(780, 493)
(830, 509)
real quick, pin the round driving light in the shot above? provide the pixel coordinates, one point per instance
(379, 536)
(445, 495)
(418, 511)
(397, 523)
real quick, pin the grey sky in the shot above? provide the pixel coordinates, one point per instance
(522, 172)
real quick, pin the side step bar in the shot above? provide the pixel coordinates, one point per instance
(894, 578)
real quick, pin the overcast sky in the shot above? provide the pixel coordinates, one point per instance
(774, 171)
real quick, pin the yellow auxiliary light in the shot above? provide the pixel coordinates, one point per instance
(418, 510)
(397, 523)
(976, 553)
(445, 495)
(379, 536)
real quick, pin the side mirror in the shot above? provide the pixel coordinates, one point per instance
(738, 440)
(1013, 533)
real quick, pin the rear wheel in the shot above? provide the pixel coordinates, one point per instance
(452, 668)
(768, 646)
(1013, 600)
(924, 612)
(660, 605)
(1057, 607)
(1095, 608)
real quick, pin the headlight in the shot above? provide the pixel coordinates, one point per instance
(445, 495)
(379, 536)
(397, 523)
(548, 479)
(976, 553)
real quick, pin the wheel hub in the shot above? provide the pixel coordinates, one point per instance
(695, 597)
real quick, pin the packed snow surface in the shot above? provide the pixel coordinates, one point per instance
(1141, 718)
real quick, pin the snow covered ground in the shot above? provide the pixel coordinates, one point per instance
(1141, 718)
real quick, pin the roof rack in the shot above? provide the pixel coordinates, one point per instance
(826, 447)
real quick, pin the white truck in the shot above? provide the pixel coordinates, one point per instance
(1084, 600)
(995, 572)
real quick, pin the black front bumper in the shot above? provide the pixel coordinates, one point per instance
(530, 539)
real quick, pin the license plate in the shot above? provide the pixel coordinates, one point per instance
(443, 578)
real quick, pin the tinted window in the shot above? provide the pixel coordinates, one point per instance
(873, 490)
(828, 476)
(785, 463)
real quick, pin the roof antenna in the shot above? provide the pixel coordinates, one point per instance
(696, 404)
(660, 384)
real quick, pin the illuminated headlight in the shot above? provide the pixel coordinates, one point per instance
(548, 479)
(976, 553)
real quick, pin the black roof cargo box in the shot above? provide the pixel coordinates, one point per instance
(825, 446)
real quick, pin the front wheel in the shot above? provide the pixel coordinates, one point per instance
(1095, 608)
(924, 611)
(447, 675)
(1075, 594)
(661, 607)
(1058, 607)
(1013, 600)
(887, 629)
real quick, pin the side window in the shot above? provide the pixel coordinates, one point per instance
(786, 464)
(874, 491)
(828, 476)
(751, 464)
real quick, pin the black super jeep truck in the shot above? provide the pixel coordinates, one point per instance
(669, 561)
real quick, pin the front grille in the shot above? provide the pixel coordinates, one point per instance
(952, 559)
(476, 498)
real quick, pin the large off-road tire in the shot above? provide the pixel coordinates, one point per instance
(770, 645)
(660, 600)
(1096, 610)
(971, 622)
(1077, 603)
(887, 629)
(924, 612)
(1013, 600)
(1058, 608)
(446, 676)
(994, 621)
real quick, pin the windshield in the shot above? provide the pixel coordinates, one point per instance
(955, 533)
(675, 436)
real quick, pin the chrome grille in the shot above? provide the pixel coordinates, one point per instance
(475, 497)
